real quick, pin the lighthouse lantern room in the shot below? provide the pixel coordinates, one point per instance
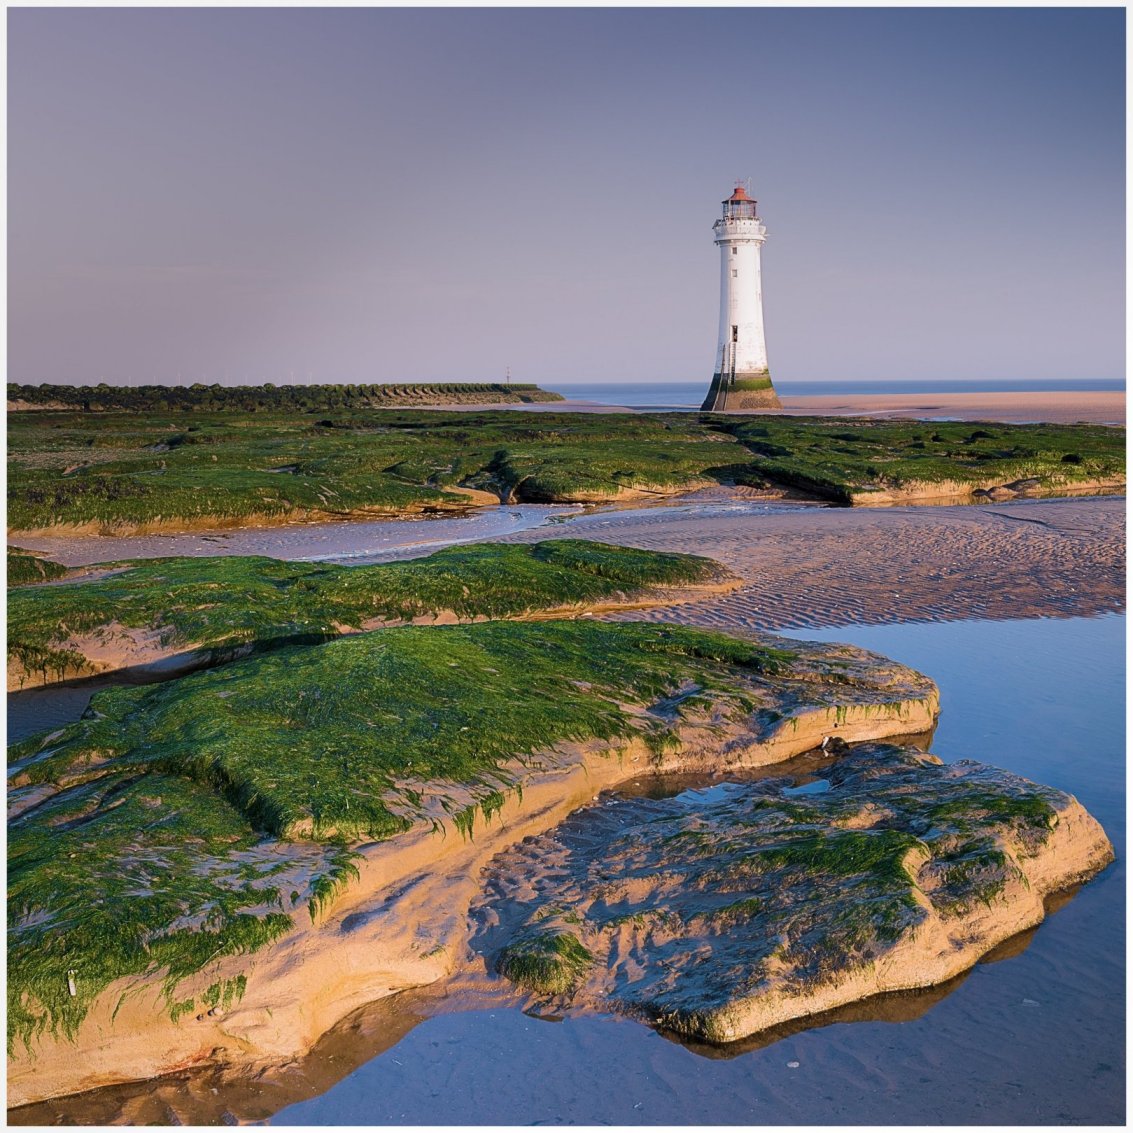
(741, 379)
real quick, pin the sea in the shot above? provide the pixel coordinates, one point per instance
(690, 395)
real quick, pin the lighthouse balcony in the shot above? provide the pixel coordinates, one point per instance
(742, 225)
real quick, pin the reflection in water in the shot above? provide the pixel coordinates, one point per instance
(216, 1096)
(1038, 1039)
(803, 770)
(43, 709)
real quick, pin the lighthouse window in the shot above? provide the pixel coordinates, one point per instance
(735, 250)
(734, 273)
(735, 334)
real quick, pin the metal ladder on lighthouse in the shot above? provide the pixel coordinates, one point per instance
(727, 372)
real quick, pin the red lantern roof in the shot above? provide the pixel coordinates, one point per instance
(739, 195)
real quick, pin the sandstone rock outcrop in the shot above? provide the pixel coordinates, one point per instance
(755, 903)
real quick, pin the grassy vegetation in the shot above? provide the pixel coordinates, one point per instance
(130, 469)
(25, 568)
(199, 398)
(157, 847)
(227, 601)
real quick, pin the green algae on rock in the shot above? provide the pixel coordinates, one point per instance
(204, 608)
(147, 472)
(723, 917)
(25, 568)
(134, 472)
(856, 461)
(124, 874)
(205, 816)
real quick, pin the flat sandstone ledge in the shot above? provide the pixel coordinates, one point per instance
(733, 915)
(991, 490)
(401, 921)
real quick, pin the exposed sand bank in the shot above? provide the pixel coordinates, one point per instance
(1056, 406)
(1024, 407)
(802, 566)
(812, 567)
(404, 923)
(981, 491)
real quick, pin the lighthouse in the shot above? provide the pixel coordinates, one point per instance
(741, 379)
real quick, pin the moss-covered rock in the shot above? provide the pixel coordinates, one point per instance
(201, 818)
(25, 568)
(736, 910)
(144, 613)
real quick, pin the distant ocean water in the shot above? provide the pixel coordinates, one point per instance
(691, 394)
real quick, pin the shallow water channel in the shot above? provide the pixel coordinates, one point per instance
(379, 540)
(347, 541)
(1035, 1034)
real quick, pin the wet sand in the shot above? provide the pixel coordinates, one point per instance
(1053, 406)
(810, 567)
(342, 541)
(803, 565)
(1056, 406)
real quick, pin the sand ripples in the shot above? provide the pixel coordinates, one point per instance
(816, 567)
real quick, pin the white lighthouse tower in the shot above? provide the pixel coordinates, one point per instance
(741, 379)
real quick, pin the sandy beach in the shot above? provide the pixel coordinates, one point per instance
(802, 564)
(1057, 406)
(1054, 406)
(815, 566)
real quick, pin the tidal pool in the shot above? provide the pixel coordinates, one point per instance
(355, 542)
(1033, 1035)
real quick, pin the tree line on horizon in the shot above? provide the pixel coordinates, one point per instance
(160, 398)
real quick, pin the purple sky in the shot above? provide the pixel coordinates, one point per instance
(434, 194)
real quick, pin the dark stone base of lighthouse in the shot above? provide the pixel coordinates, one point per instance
(742, 392)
